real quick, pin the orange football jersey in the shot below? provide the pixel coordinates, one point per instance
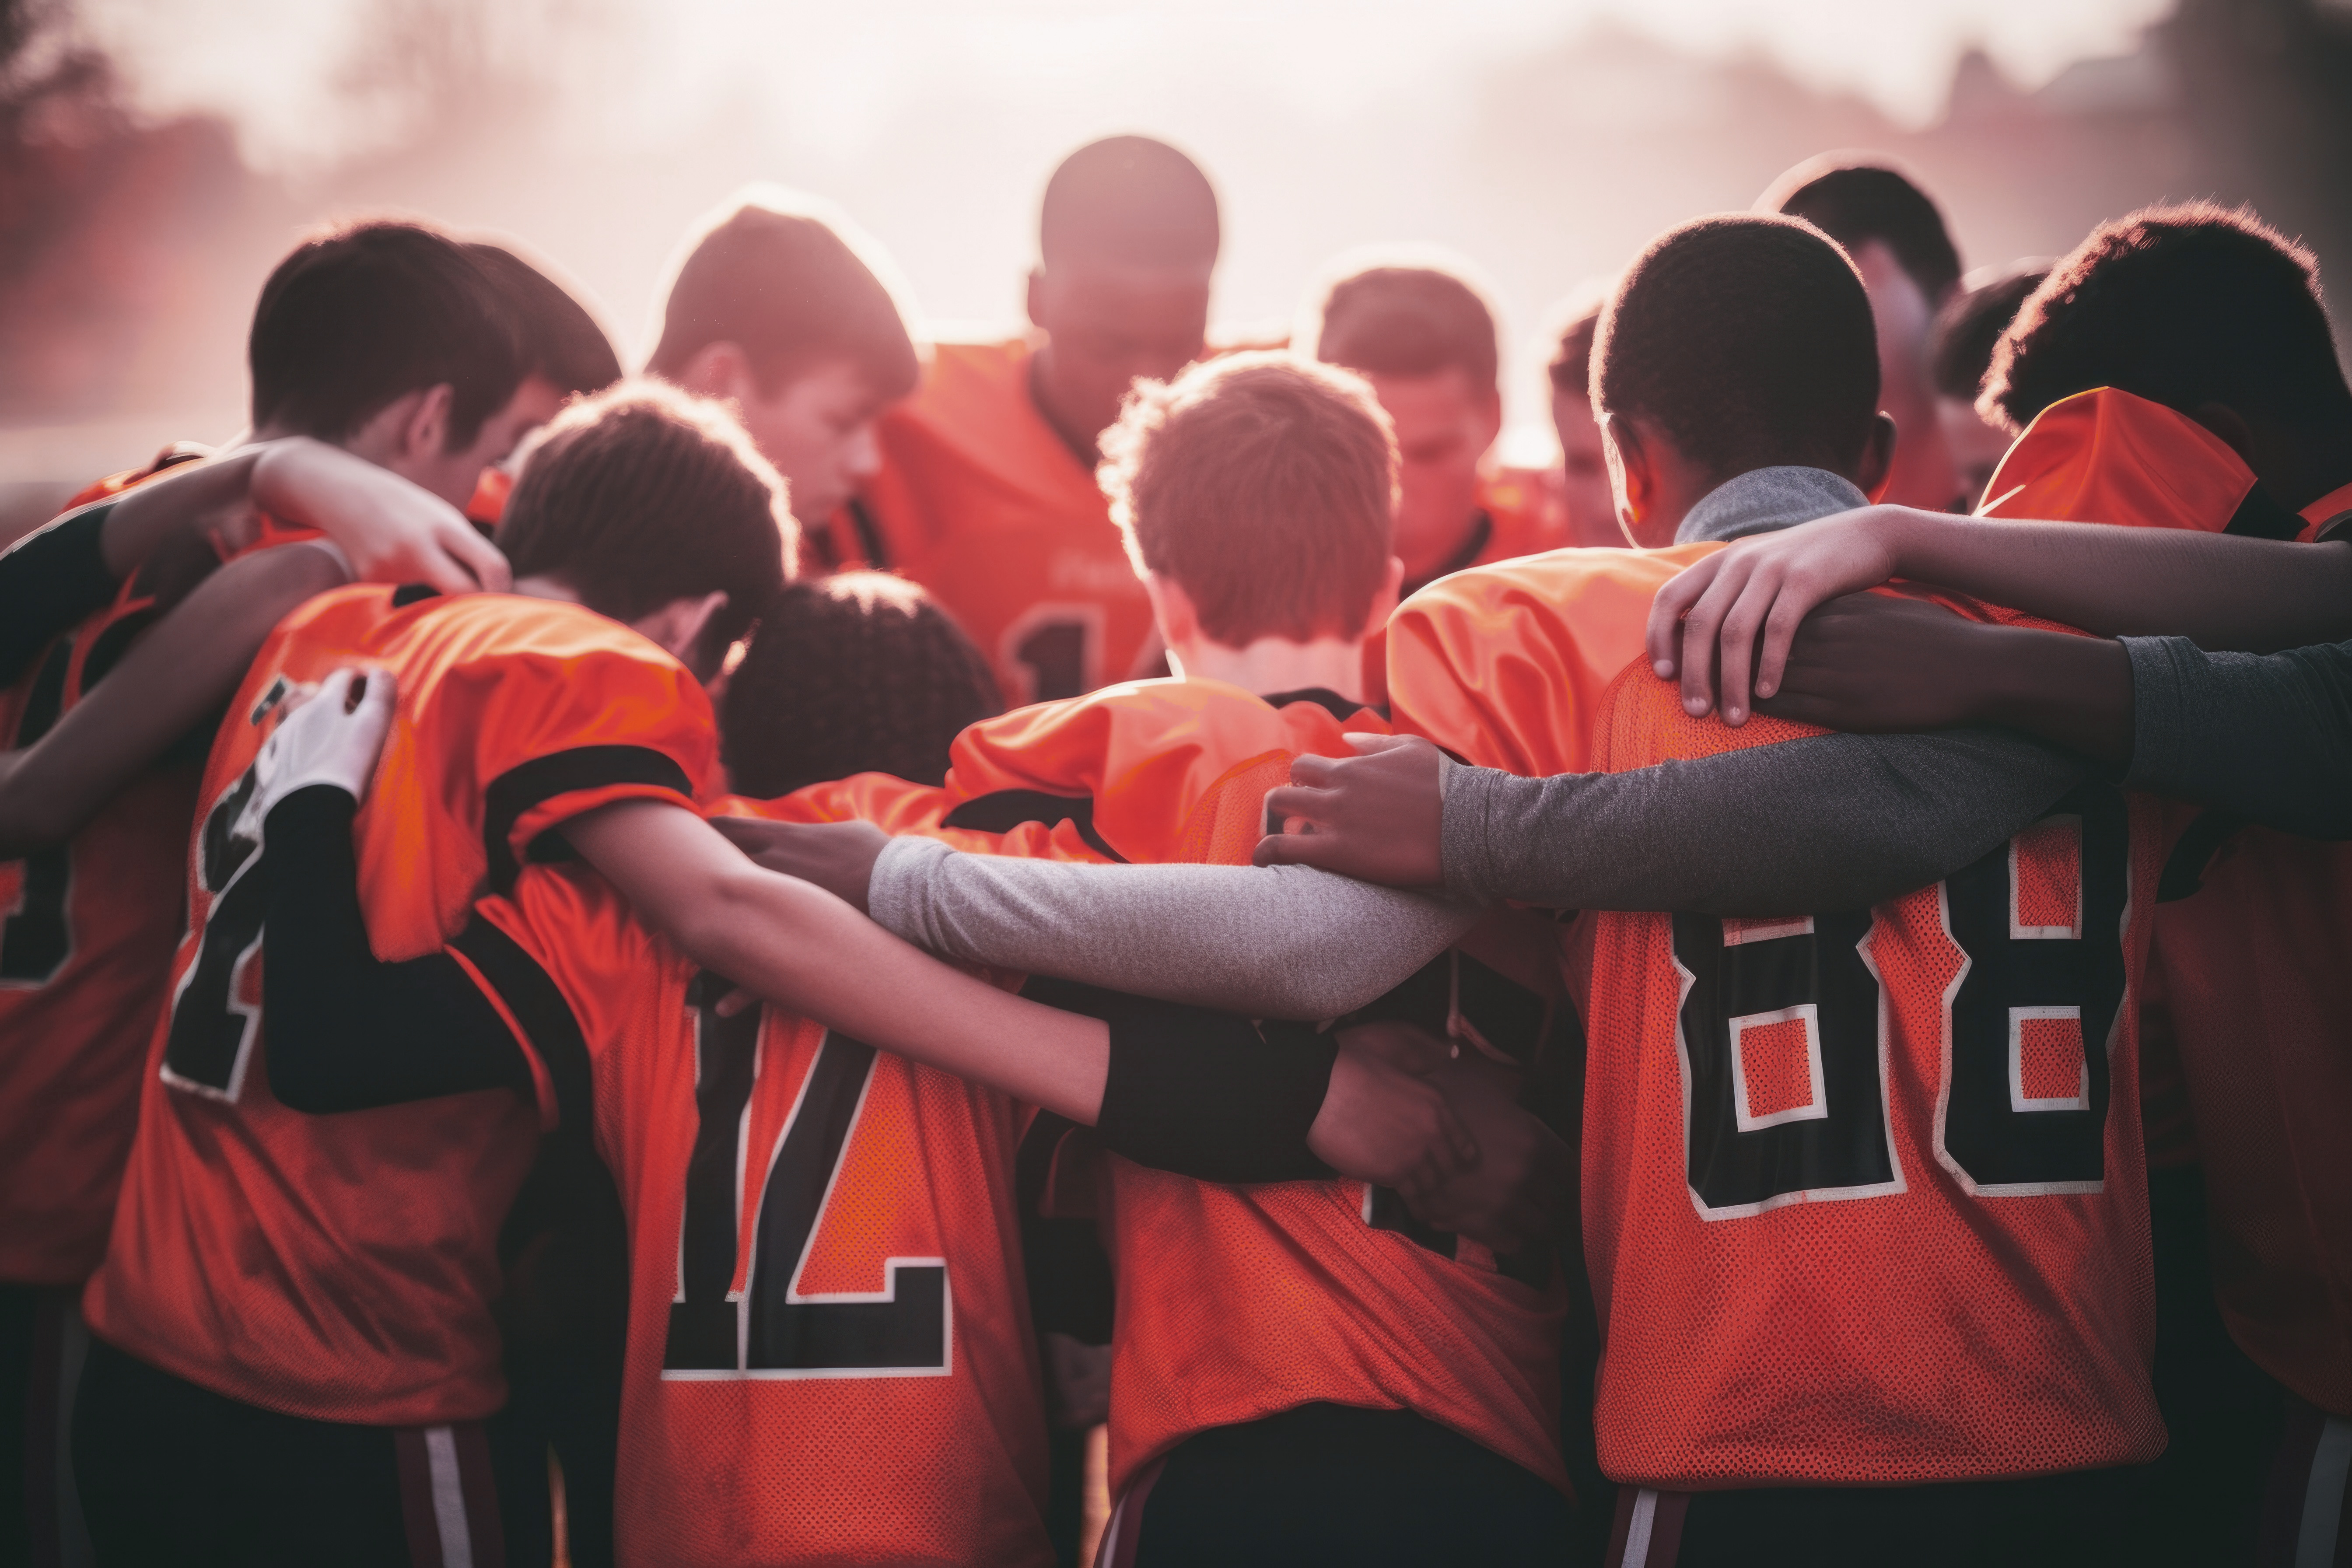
(2252, 962)
(342, 1267)
(1237, 1302)
(829, 1354)
(1520, 513)
(1865, 1200)
(1505, 665)
(87, 930)
(983, 503)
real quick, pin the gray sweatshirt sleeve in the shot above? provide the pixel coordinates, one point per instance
(2268, 738)
(1277, 941)
(1833, 822)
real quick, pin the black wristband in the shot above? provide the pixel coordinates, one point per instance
(48, 581)
(1206, 1095)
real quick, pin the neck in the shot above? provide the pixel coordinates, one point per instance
(1081, 443)
(1277, 664)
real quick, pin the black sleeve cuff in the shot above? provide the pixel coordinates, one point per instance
(348, 1031)
(48, 581)
(1205, 1095)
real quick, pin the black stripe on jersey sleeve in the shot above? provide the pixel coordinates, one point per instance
(348, 1031)
(48, 581)
(1002, 811)
(537, 1002)
(528, 784)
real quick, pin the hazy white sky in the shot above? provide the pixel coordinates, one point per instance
(834, 73)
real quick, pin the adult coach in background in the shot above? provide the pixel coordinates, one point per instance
(1896, 237)
(986, 494)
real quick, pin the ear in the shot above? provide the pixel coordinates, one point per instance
(1632, 476)
(1384, 598)
(721, 370)
(1034, 301)
(676, 627)
(2229, 425)
(1877, 462)
(423, 432)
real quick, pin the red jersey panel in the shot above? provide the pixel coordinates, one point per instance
(87, 930)
(1864, 1196)
(829, 1356)
(342, 1267)
(1236, 1303)
(2256, 987)
(982, 501)
(1504, 666)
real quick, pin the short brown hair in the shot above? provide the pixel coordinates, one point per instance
(1567, 345)
(791, 291)
(1265, 486)
(559, 339)
(862, 672)
(1856, 198)
(360, 316)
(642, 495)
(1398, 319)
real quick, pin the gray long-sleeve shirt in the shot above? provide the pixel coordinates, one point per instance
(2268, 738)
(1834, 822)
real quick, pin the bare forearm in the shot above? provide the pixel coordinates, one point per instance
(177, 504)
(174, 678)
(2222, 592)
(2075, 692)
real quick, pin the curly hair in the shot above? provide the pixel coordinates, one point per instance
(2181, 305)
(1748, 340)
(858, 673)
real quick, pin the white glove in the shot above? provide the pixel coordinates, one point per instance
(326, 738)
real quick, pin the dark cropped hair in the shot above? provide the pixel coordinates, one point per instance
(2180, 305)
(642, 495)
(1855, 201)
(560, 341)
(1406, 320)
(1128, 199)
(858, 673)
(791, 291)
(1748, 340)
(359, 316)
(1965, 331)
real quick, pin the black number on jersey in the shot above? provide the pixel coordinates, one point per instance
(36, 938)
(1058, 646)
(1994, 1133)
(1809, 979)
(770, 1331)
(213, 1032)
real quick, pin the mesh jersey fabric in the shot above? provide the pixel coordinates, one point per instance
(829, 1355)
(980, 501)
(1865, 1199)
(87, 930)
(2254, 975)
(1234, 1303)
(342, 1268)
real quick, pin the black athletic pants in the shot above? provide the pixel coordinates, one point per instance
(1329, 1483)
(41, 1341)
(174, 1474)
